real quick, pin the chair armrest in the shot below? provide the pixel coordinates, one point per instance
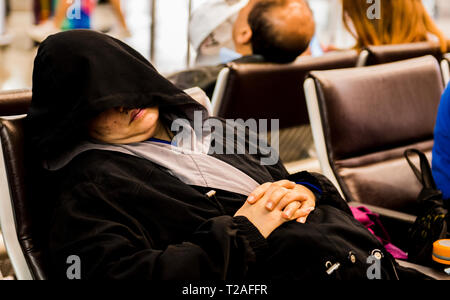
(435, 274)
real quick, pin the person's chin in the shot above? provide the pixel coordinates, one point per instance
(146, 116)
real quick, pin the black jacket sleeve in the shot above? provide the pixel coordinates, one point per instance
(112, 245)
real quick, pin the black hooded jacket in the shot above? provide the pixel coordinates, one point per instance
(82, 73)
(127, 218)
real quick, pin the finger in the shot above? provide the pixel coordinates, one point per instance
(294, 195)
(290, 209)
(265, 191)
(302, 214)
(274, 195)
(258, 192)
(301, 220)
(309, 204)
(311, 196)
(285, 183)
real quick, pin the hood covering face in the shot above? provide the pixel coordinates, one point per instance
(80, 73)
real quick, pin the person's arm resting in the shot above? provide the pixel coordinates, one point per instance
(112, 245)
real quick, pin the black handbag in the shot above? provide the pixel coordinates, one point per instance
(432, 219)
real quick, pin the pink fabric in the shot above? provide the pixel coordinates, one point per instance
(372, 222)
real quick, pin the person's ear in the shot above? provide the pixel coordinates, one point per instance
(244, 35)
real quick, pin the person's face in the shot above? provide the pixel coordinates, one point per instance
(124, 126)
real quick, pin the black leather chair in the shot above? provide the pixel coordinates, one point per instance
(362, 120)
(18, 215)
(273, 91)
(375, 55)
(251, 90)
(367, 117)
(15, 102)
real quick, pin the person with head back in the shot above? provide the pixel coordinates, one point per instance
(276, 31)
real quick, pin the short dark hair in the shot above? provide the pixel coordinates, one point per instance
(266, 40)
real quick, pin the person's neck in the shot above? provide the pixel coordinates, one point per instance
(162, 133)
(244, 50)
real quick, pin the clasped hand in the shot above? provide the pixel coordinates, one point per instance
(274, 203)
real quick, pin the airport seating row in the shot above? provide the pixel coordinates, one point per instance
(362, 119)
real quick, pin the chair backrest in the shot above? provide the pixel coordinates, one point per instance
(15, 209)
(364, 118)
(15, 102)
(375, 55)
(271, 91)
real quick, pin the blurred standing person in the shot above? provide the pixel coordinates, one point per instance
(73, 14)
(63, 12)
(76, 14)
(43, 10)
(399, 21)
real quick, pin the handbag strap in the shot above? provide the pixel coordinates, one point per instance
(424, 175)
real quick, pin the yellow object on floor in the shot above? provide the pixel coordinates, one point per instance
(441, 252)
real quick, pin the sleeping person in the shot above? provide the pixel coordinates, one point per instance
(137, 193)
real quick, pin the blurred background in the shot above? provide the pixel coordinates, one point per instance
(158, 29)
